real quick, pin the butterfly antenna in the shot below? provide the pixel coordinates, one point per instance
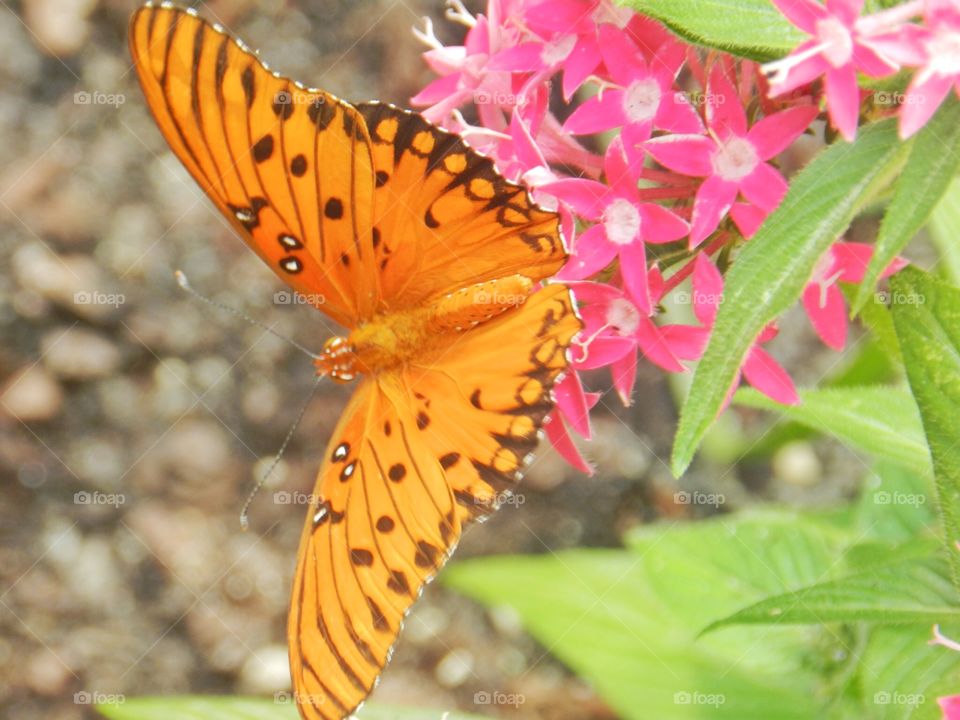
(185, 284)
(244, 513)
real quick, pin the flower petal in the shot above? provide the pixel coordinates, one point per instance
(624, 372)
(828, 314)
(620, 56)
(655, 347)
(687, 342)
(592, 253)
(633, 267)
(605, 350)
(660, 225)
(580, 64)
(748, 218)
(560, 438)
(587, 197)
(769, 377)
(843, 100)
(677, 114)
(764, 187)
(725, 113)
(707, 290)
(775, 133)
(713, 201)
(601, 112)
(573, 403)
(686, 154)
(802, 13)
(923, 99)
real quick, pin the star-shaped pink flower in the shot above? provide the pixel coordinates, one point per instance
(624, 222)
(644, 94)
(825, 305)
(732, 157)
(836, 50)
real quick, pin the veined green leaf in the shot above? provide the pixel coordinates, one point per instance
(926, 313)
(879, 420)
(912, 591)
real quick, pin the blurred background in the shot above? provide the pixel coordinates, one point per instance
(134, 419)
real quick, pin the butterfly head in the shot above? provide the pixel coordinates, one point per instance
(337, 360)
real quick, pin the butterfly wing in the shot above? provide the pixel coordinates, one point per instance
(444, 218)
(419, 453)
(290, 168)
(382, 522)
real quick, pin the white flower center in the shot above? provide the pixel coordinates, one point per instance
(836, 40)
(944, 52)
(556, 51)
(621, 220)
(642, 100)
(623, 316)
(735, 159)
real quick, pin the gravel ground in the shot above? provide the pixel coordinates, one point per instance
(134, 420)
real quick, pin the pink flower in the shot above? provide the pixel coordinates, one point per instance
(759, 368)
(463, 68)
(949, 705)
(732, 158)
(825, 305)
(624, 223)
(572, 410)
(936, 49)
(616, 328)
(643, 95)
(837, 50)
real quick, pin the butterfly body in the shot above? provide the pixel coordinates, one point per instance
(436, 266)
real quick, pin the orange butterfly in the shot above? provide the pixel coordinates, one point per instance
(415, 243)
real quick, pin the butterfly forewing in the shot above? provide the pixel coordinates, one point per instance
(445, 219)
(290, 168)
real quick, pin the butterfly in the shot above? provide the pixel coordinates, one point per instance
(435, 264)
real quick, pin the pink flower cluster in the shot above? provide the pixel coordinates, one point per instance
(687, 171)
(843, 43)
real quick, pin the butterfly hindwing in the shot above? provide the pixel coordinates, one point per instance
(444, 217)
(382, 522)
(290, 168)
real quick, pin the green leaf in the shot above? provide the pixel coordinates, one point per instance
(880, 420)
(197, 707)
(902, 676)
(771, 272)
(926, 313)
(897, 505)
(944, 230)
(749, 28)
(616, 616)
(933, 163)
(915, 590)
